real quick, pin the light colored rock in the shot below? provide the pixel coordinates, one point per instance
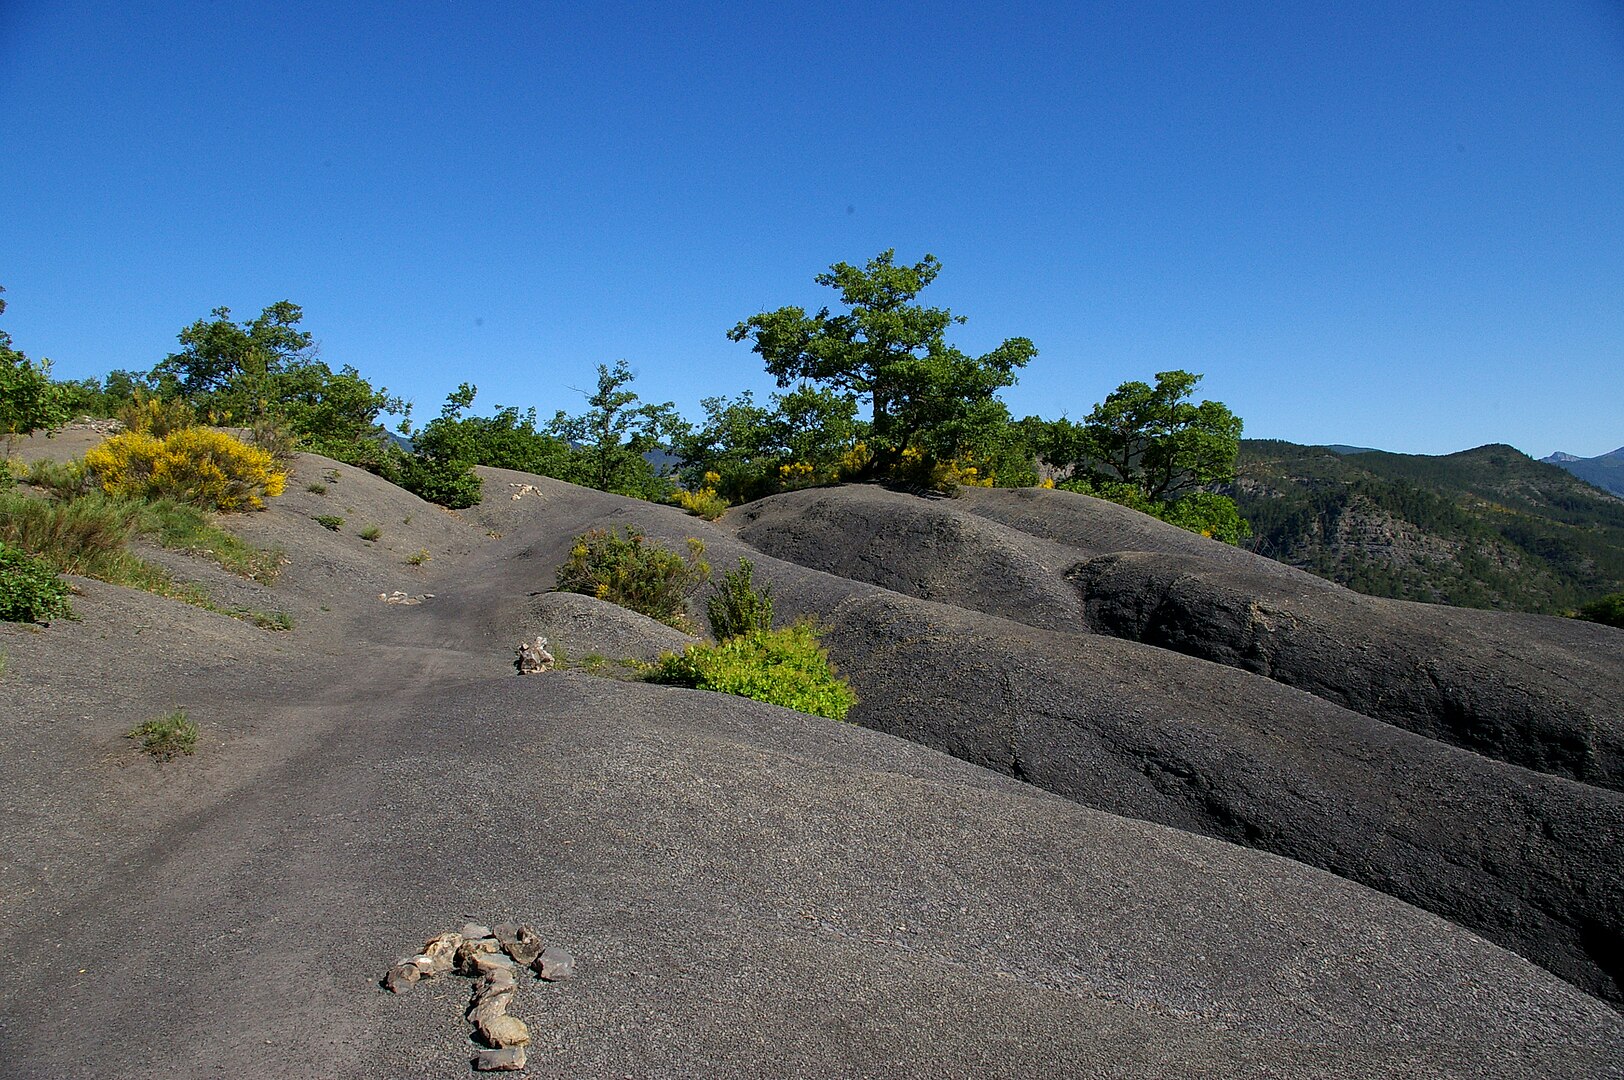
(472, 930)
(488, 963)
(469, 952)
(402, 976)
(438, 955)
(501, 1059)
(554, 964)
(532, 657)
(502, 1030)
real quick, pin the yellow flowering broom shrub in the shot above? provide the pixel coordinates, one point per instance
(195, 465)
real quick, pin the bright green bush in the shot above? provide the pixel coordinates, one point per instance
(196, 465)
(448, 482)
(73, 537)
(62, 479)
(30, 591)
(781, 667)
(626, 569)
(1609, 610)
(737, 606)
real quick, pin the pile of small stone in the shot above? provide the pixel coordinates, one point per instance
(523, 490)
(532, 657)
(398, 597)
(496, 957)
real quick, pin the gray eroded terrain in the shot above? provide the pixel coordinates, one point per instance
(1128, 862)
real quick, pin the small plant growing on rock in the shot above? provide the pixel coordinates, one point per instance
(737, 606)
(371, 533)
(418, 557)
(30, 591)
(626, 569)
(330, 522)
(167, 737)
(316, 489)
(781, 667)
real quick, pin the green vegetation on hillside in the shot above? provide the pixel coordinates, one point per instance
(1488, 527)
(874, 393)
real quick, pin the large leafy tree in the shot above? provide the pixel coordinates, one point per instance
(29, 401)
(890, 352)
(267, 367)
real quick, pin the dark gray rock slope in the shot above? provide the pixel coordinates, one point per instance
(1529, 860)
(1539, 692)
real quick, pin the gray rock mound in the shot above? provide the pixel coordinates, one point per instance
(1532, 691)
(1538, 692)
(1527, 860)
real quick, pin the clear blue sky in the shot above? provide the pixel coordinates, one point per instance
(1384, 223)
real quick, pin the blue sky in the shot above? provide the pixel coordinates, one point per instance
(1389, 224)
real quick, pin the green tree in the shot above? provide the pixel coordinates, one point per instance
(1152, 438)
(755, 451)
(1152, 449)
(267, 367)
(29, 401)
(922, 393)
(613, 436)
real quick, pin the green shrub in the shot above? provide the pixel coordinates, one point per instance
(737, 606)
(62, 479)
(156, 417)
(782, 667)
(371, 532)
(451, 484)
(1204, 512)
(626, 569)
(330, 522)
(1609, 610)
(316, 489)
(167, 737)
(30, 591)
(73, 537)
(418, 557)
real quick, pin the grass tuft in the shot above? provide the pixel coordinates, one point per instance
(167, 737)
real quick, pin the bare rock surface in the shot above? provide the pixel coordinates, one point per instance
(752, 891)
(1534, 691)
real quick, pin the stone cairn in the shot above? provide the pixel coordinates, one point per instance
(533, 657)
(496, 958)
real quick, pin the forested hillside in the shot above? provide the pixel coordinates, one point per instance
(1488, 527)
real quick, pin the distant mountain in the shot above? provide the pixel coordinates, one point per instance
(1606, 471)
(1489, 527)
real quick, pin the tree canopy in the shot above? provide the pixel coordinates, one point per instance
(29, 401)
(617, 430)
(922, 393)
(1151, 437)
(267, 367)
